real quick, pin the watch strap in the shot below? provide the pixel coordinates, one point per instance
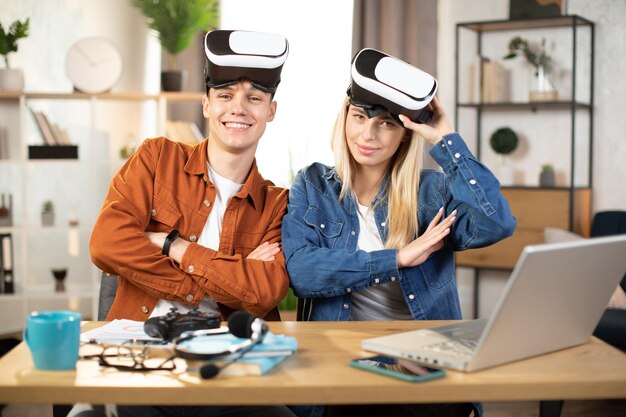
(169, 239)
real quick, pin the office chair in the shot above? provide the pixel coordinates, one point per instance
(612, 325)
(108, 288)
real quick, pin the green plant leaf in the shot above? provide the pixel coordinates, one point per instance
(176, 22)
(503, 141)
(8, 39)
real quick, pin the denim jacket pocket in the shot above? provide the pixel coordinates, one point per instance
(328, 229)
(437, 272)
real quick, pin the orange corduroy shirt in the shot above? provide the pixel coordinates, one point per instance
(165, 186)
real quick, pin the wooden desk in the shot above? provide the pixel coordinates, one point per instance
(319, 373)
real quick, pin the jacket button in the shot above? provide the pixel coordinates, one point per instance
(144, 309)
(393, 279)
(353, 233)
(346, 306)
(192, 238)
(190, 269)
(411, 297)
(322, 225)
(457, 155)
(376, 280)
(189, 298)
(207, 203)
(348, 290)
(153, 212)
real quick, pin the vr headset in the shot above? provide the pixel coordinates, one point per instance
(235, 54)
(382, 83)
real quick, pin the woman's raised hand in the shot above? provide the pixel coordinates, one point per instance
(431, 241)
(437, 128)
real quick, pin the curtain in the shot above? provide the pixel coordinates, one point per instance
(406, 29)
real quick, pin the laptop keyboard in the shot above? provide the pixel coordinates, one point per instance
(461, 347)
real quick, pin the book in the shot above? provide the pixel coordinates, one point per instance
(476, 75)
(258, 361)
(196, 132)
(6, 263)
(4, 143)
(494, 82)
(44, 127)
(182, 131)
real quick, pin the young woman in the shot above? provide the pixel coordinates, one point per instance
(373, 237)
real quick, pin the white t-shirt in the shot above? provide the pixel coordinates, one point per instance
(379, 302)
(209, 238)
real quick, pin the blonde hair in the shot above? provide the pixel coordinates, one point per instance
(402, 189)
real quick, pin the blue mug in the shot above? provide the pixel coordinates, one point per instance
(53, 338)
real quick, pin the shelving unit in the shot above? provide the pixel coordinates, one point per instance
(560, 131)
(570, 203)
(99, 124)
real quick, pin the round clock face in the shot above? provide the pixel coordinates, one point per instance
(94, 65)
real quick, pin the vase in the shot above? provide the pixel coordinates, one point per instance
(47, 218)
(504, 172)
(11, 80)
(541, 87)
(505, 175)
(59, 279)
(546, 179)
(173, 80)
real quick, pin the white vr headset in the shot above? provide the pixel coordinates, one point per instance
(235, 54)
(382, 83)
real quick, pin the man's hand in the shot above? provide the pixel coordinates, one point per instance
(177, 249)
(431, 241)
(265, 252)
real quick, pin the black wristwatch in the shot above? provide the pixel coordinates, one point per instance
(169, 239)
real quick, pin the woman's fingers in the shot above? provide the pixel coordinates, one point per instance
(431, 241)
(435, 222)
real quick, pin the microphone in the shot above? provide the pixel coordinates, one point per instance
(243, 325)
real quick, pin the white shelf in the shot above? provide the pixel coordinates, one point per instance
(98, 124)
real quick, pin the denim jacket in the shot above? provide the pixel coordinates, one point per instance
(320, 235)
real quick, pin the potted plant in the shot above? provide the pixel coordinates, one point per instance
(47, 213)
(504, 141)
(542, 88)
(12, 79)
(546, 176)
(176, 23)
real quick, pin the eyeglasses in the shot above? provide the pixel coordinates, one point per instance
(127, 356)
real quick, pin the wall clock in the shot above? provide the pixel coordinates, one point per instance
(94, 65)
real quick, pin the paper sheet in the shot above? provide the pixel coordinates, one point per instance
(118, 331)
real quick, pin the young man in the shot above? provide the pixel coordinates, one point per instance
(186, 225)
(197, 225)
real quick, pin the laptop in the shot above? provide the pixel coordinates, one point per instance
(554, 299)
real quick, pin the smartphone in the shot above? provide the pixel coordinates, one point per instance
(397, 368)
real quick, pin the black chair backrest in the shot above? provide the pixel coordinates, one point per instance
(607, 223)
(108, 288)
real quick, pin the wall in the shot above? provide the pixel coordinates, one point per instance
(314, 78)
(56, 24)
